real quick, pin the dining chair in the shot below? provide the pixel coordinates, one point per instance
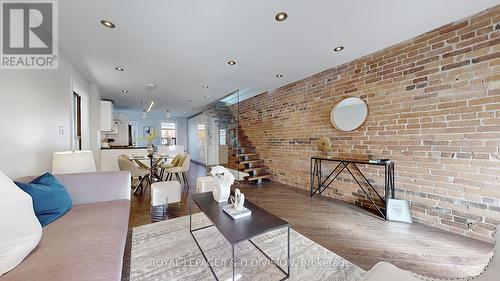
(180, 171)
(173, 163)
(135, 172)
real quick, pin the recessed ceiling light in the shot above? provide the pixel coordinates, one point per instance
(108, 24)
(231, 62)
(338, 49)
(207, 96)
(119, 68)
(124, 91)
(205, 86)
(189, 100)
(150, 86)
(281, 16)
(279, 75)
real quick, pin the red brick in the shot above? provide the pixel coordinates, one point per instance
(455, 65)
(443, 133)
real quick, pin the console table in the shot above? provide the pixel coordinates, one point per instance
(319, 185)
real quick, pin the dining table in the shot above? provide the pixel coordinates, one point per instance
(154, 161)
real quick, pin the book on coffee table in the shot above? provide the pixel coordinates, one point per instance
(236, 214)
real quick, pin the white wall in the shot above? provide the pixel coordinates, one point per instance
(33, 104)
(154, 119)
(198, 138)
(95, 124)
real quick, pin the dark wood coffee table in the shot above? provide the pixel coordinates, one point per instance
(240, 230)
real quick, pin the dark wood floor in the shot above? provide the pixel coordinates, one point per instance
(351, 232)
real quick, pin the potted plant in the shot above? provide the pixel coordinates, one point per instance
(150, 138)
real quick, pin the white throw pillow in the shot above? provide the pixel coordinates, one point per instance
(20, 230)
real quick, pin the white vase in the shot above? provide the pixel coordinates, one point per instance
(221, 193)
(151, 149)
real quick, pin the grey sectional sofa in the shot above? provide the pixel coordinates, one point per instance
(88, 242)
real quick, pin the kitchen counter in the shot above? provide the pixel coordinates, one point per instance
(109, 156)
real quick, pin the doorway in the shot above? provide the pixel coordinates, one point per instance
(77, 102)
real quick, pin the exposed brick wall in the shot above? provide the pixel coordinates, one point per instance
(434, 108)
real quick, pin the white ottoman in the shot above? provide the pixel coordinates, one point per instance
(162, 194)
(204, 184)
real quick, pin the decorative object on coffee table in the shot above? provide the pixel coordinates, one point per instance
(236, 214)
(223, 181)
(238, 200)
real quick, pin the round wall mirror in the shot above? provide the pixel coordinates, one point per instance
(349, 114)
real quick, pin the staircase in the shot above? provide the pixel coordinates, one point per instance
(249, 162)
(242, 155)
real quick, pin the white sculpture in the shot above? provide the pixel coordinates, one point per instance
(238, 200)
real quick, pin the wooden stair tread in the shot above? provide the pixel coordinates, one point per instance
(259, 177)
(254, 169)
(245, 154)
(251, 161)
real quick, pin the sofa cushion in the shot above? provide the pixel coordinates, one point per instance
(85, 244)
(20, 230)
(50, 198)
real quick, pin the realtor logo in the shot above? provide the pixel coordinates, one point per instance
(29, 33)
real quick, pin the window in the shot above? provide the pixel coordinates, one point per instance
(222, 137)
(168, 133)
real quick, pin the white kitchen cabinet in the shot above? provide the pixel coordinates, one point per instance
(106, 116)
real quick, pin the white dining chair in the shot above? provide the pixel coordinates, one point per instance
(181, 170)
(135, 171)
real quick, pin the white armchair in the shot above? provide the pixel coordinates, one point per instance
(384, 271)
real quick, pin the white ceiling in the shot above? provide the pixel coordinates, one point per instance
(184, 44)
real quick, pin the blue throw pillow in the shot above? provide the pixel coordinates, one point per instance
(50, 198)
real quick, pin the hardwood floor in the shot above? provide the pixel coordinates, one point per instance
(351, 232)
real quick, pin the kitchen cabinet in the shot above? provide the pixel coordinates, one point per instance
(106, 116)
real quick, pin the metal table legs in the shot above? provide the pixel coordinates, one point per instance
(316, 176)
(287, 273)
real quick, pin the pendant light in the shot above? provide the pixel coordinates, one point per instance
(144, 113)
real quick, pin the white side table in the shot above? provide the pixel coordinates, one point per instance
(162, 194)
(204, 184)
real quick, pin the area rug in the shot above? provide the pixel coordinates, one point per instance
(167, 251)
